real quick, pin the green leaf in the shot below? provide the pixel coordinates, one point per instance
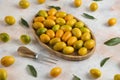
(113, 41)
(32, 70)
(104, 61)
(88, 16)
(97, 0)
(24, 22)
(56, 7)
(76, 78)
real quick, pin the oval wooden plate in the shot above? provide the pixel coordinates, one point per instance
(67, 57)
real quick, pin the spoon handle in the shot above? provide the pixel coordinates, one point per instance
(25, 52)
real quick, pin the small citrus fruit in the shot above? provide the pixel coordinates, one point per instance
(52, 12)
(78, 44)
(77, 3)
(59, 33)
(96, 73)
(93, 6)
(68, 50)
(86, 36)
(117, 77)
(71, 22)
(76, 32)
(68, 17)
(49, 23)
(37, 25)
(44, 38)
(10, 20)
(41, 31)
(24, 4)
(54, 41)
(66, 36)
(50, 33)
(4, 37)
(82, 51)
(39, 19)
(55, 28)
(25, 39)
(56, 71)
(79, 24)
(71, 40)
(89, 44)
(3, 74)
(84, 29)
(7, 60)
(61, 14)
(66, 28)
(112, 21)
(41, 1)
(51, 17)
(59, 46)
(60, 21)
(42, 13)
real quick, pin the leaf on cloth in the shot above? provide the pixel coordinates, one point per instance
(76, 78)
(113, 41)
(56, 7)
(32, 70)
(104, 61)
(24, 22)
(97, 0)
(88, 16)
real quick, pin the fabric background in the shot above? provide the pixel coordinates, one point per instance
(102, 32)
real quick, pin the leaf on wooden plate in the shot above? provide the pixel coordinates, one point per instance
(113, 41)
(76, 78)
(97, 0)
(104, 61)
(32, 70)
(88, 16)
(24, 22)
(56, 7)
